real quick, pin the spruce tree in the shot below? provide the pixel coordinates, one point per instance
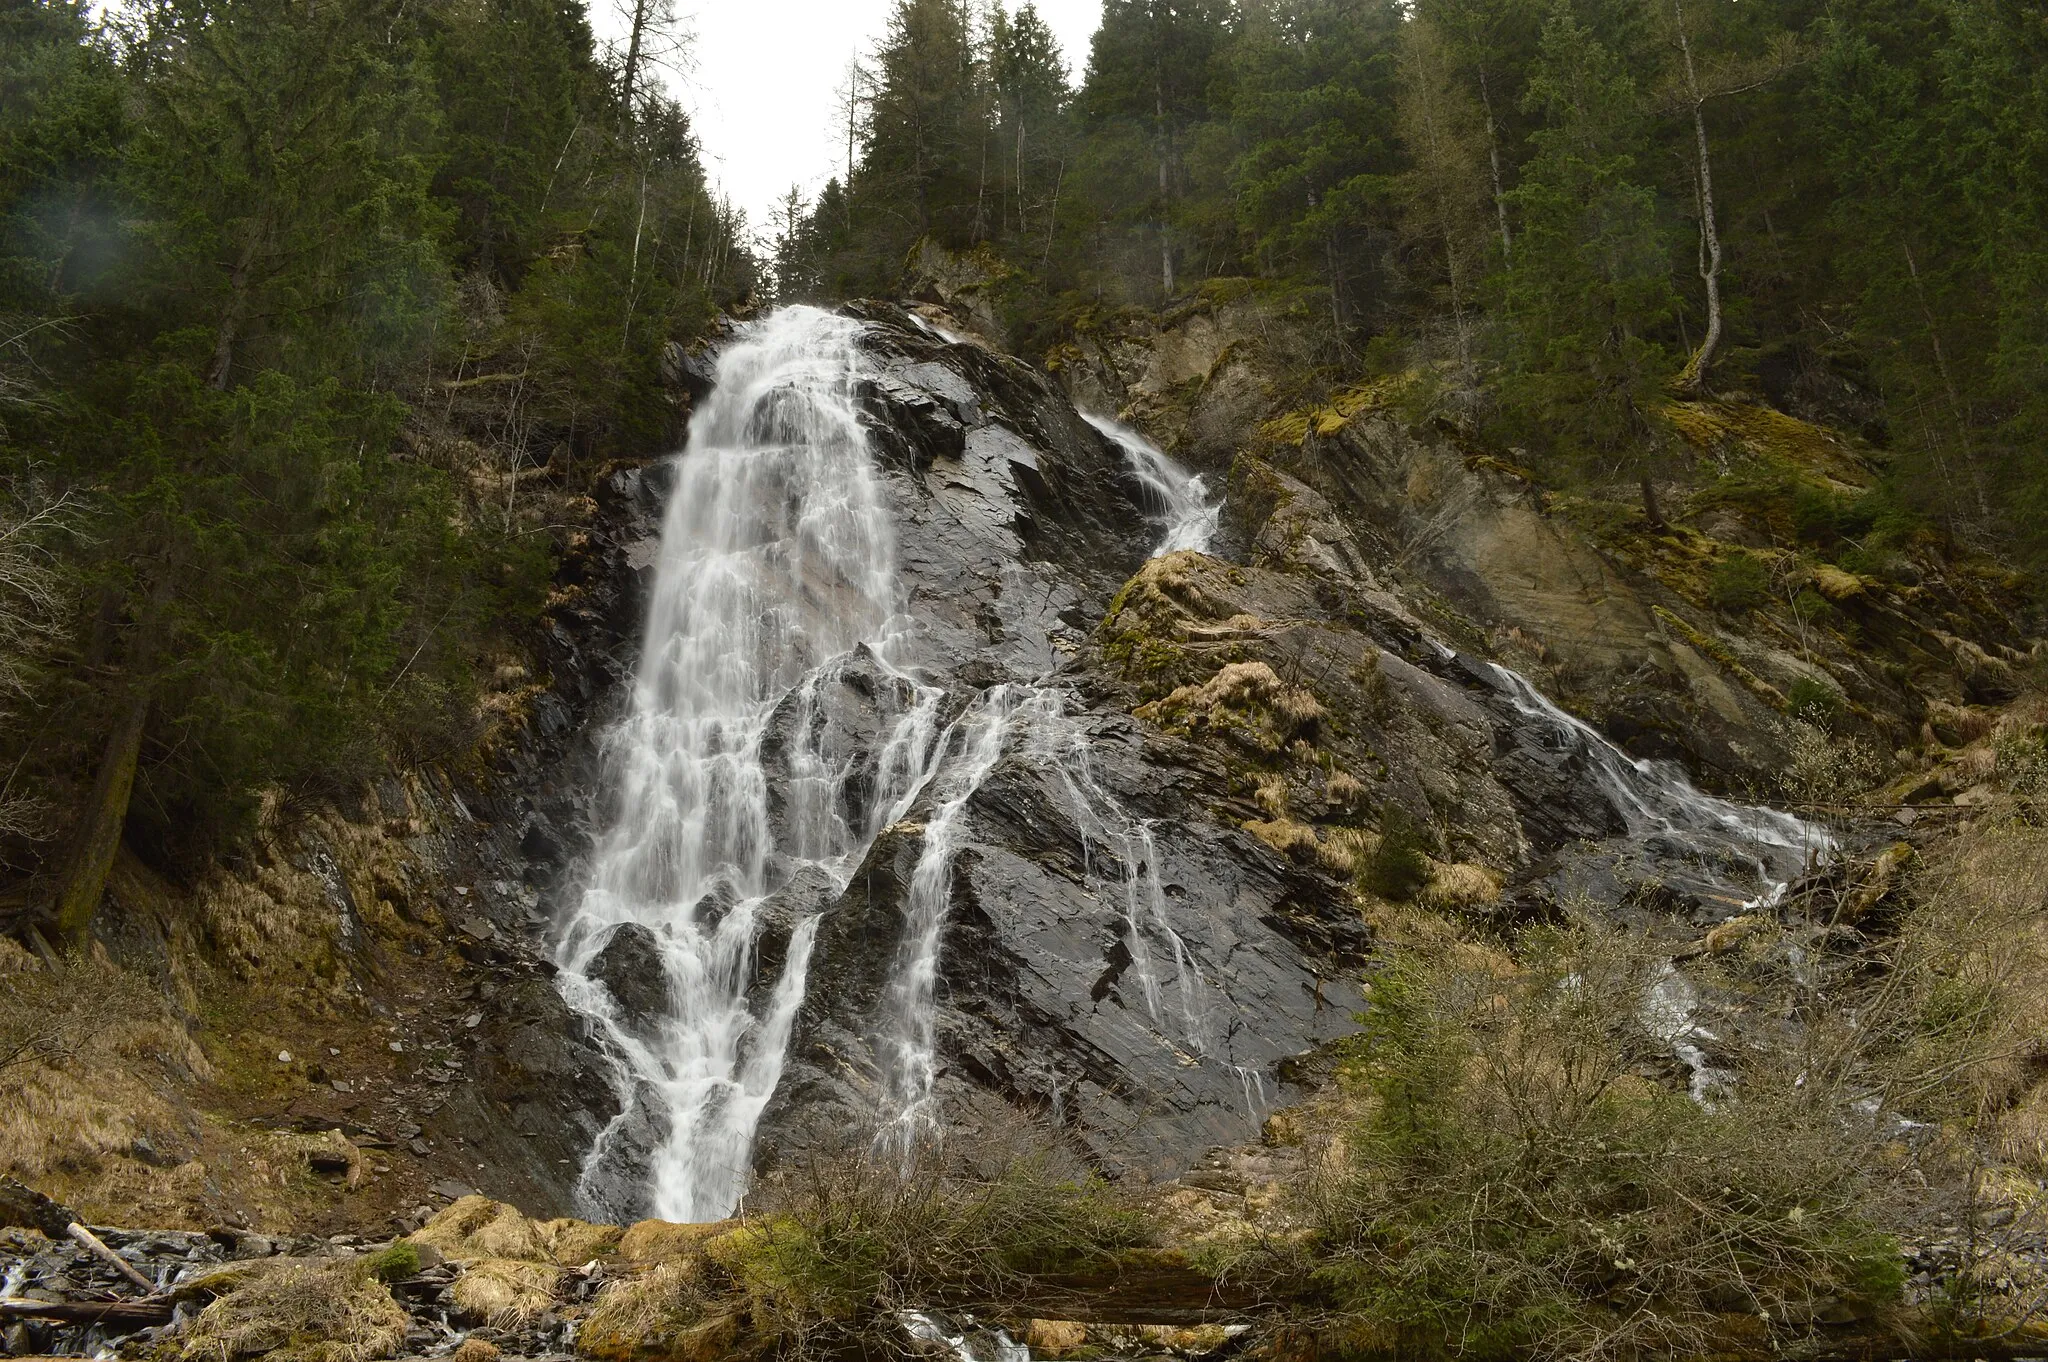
(1590, 287)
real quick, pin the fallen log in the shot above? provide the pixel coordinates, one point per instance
(93, 1244)
(124, 1314)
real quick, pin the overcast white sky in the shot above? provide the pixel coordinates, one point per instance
(762, 75)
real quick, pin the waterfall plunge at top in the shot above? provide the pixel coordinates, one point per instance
(1178, 500)
(777, 560)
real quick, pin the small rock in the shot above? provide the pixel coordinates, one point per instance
(332, 1051)
(472, 1021)
(417, 1146)
(284, 1056)
(452, 1190)
(397, 1047)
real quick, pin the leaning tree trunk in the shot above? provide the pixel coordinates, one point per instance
(1693, 378)
(98, 835)
(1500, 193)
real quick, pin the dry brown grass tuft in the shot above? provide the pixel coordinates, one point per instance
(1460, 887)
(478, 1227)
(1345, 851)
(506, 1293)
(300, 1313)
(666, 1312)
(1247, 699)
(651, 1241)
(85, 1052)
(1289, 838)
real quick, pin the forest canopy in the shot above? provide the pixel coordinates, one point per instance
(1570, 211)
(296, 304)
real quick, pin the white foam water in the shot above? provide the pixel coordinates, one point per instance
(908, 1049)
(1763, 847)
(777, 561)
(1034, 720)
(1178, 500)
(1061, 746)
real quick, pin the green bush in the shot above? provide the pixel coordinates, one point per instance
(394, 1262)
(1398, 867)
(1814, 701)
(1740, 582)
(1519, 1189)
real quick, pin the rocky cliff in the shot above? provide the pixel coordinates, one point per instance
(1234, 768)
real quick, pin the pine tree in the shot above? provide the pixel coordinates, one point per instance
(1315, 98)
(1590, 286)
(925, 131)
(1152, 83)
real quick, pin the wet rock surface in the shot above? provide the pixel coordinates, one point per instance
(629, 966)
(1149, 1010)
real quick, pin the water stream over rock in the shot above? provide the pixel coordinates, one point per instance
(777, 560)
(878, 853)
(1178, 500)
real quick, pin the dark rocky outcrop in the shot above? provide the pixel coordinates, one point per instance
(629, 965)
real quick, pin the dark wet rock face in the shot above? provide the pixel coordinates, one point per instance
(1151, 921)
(630, 967)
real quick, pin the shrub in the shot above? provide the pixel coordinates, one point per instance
(1822, 768)
(1814, 701)
(1398, 869)
(394, 1262)
(1518, 1188)
(846, 1242)
(1740, 582)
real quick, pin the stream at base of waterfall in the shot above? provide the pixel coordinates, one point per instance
(777, 564)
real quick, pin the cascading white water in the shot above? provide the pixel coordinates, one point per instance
(1061, 747)
(1036, 718)
(1664, 810)
(1746, 848)
(1178, 500)
(777, 560)
(909, 1048)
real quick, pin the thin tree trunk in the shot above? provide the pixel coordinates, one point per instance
(230, 330)
(1653, 516)
(1948, 382)
(1694, 377)
(632, 70)
(981, 191)
(1165, 186)
(1500, 196)
(98, 835)
(1052, 219)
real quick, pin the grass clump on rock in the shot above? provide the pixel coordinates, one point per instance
(847, 1243)
(300, 1312)
(1246, 701)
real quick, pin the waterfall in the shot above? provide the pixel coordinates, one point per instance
(1178, 500)
(909, 1050)
(777, 561)
(1731, 842)
(1745, 848)
(1061, 746)
(1035, 719)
